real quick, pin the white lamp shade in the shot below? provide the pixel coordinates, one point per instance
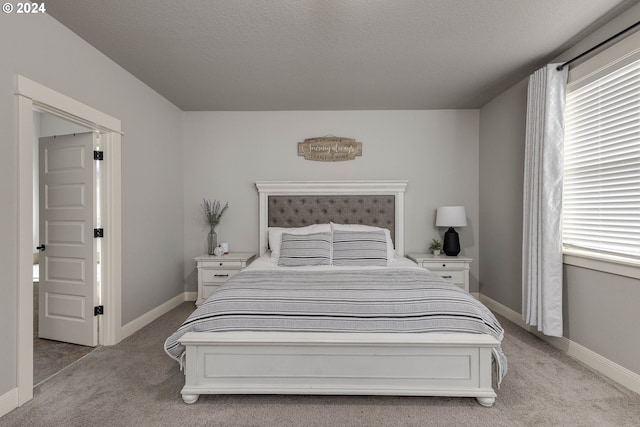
(451, 216)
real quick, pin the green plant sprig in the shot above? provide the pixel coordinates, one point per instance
(435, 245)
(212, 211)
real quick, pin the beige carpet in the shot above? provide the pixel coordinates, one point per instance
(136, 384)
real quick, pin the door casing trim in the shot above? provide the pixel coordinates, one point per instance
(32, 94)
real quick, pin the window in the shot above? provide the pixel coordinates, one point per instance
(601, 200)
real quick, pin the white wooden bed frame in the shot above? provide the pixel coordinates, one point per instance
(338, 363)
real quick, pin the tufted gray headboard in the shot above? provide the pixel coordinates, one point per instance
(296, 204)
(298, 211)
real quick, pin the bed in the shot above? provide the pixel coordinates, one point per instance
(292, 329)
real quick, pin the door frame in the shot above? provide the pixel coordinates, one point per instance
(30, 95)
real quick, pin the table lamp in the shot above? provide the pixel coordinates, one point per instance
(451, 216)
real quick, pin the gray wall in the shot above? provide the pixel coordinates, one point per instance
(43, 50)
(226, 152)
(602, 314)
(600, 308)
(502, 123)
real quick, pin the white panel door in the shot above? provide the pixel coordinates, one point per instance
(67, 261)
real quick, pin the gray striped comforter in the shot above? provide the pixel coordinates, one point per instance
(381, 300)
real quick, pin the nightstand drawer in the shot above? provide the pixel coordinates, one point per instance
(454, 269)
(221, 264)
(213, 271)
(215, 275)
(451, 276)
(444, 265)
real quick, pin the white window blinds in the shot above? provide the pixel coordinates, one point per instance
(601, 200)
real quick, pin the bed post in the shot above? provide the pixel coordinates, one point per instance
(262, 220)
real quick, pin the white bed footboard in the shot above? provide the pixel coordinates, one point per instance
(339, 363)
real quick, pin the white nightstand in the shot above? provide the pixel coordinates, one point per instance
(452, 268)
(215, 270)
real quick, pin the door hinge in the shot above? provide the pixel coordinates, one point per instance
(98, 310)
(98, 155)
(98, 232)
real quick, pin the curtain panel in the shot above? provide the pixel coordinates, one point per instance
(542, 207)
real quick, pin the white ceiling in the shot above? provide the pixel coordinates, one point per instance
(332, 54)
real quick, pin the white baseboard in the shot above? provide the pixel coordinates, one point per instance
(153, 314)
(606, 367)
(8, 401)
(504, 311)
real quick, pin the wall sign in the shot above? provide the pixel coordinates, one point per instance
(329, 148)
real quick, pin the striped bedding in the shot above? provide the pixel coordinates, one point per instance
(359, 300)
(363, 248)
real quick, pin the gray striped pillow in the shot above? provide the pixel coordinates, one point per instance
(361, 248)
(299, 250)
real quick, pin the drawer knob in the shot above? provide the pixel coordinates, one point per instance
(220, 263)
(221, 275)
(447, 277)
(444, 265)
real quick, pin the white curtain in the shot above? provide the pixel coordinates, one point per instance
(542, 213)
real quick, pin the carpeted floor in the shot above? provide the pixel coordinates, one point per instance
(135, 384)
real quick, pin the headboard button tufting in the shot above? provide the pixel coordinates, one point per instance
(291, 211)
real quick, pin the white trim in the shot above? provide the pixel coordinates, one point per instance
(8, 401)
(606, 367)
(112, 242)
(24, 368)
(151, 315)
(505, 311)
(29, 94)
(391, 187)
(142, 321)
(616, 56)
(332, 187)
(621, 266)
(66, 107)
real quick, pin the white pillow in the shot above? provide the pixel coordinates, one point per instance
(275, 236)
(360, 227)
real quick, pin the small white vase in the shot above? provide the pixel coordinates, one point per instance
(436, 252)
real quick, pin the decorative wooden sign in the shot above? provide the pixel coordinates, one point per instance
(329, 148)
